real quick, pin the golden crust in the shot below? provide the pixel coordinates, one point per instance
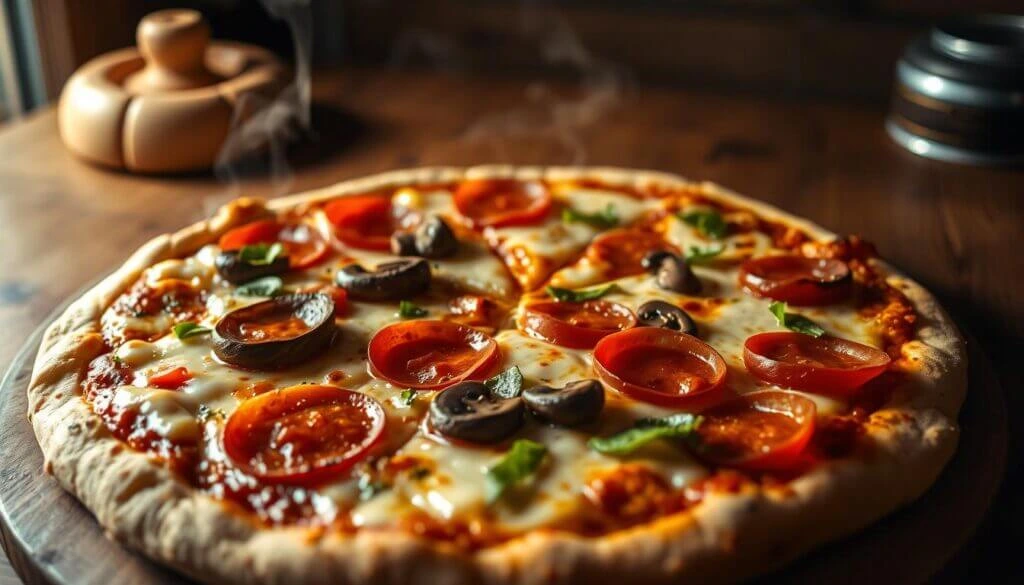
(724, 539)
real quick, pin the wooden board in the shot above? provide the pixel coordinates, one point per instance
(51, 539)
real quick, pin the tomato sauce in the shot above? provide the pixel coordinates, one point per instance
(271, 326)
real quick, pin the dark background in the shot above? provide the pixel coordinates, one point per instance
(793, 50)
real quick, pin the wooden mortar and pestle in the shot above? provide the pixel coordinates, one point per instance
(169, 105)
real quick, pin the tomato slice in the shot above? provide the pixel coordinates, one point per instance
(498, 203)
(427, 354)
(576, 325)
(172, 379)
(303, 243)
(660, 366)
(303, 434)
(363, 222)
(796, 279)
(623, 250)
(762, 431)
(822, 364)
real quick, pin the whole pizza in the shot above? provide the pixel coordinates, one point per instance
(497, 375)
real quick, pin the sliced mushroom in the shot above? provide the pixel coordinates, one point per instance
(432, 239)
(671, 272)
(667, 315)
(275, 334)
(233, 269)
(469, 412)
(403, 244)
(391, 281)
(576, 403)
(435, 239)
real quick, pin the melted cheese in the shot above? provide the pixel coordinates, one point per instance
(456, 484)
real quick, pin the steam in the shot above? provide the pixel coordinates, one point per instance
(270, 123)
(602, 86)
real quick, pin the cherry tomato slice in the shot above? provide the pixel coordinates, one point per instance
(797, 280)
(763, 431)
(623, 250)
(822, 364)
(660, 366)
(498, 203)
(172, 379)
(304, 245)
(363, 222)
(426, 354)
(576, 325)
(303, 435)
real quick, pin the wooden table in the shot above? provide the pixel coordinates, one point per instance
(954, 228)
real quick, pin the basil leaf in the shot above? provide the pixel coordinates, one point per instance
(568, 295)
(260, 254)
(189, 329)
(407, 397)
(795, 321)
(647, 430)
(267, 286)
(708, 222)
(521, 461)
(703, 255)
(604, 219)
(409, 310)
(507, 384)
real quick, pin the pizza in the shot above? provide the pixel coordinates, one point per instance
(497, 375)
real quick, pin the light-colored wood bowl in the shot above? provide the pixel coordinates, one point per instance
(169, 105)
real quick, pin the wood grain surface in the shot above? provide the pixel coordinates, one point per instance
(953, 228)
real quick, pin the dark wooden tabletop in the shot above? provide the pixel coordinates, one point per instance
(956, 229)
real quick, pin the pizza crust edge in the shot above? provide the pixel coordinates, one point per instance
(726, 538)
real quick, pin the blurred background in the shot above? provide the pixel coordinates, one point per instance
(780, 99)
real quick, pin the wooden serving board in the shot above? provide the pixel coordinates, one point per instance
(51, 539)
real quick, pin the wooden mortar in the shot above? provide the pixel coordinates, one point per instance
(169, 105)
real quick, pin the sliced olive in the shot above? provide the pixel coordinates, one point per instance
(576, 403)
(667, 315)
(675, 275)
(275, 334)
(233, 269)
(391, 281)
(403, 244)
(435, 239)
(468, 411)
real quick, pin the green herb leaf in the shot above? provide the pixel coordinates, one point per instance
(260, 254)
(507, 384)
(407, 397)
(267, 286)
(795, 321)
(189, 329)
(604, 219)
(708, 222)
(521, 461)
(369, 487)
(409, 310)
(698, 255)
(568, 295)
(646, 430)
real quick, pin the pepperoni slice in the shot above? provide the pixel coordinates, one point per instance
(660, 366)
(304, 434)
(498, 203)
(797, 280)
(426, 355)
(763, 431)
(365, 222)
(623, 250)
(577, 325)
(303, 244)
(822, 364)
